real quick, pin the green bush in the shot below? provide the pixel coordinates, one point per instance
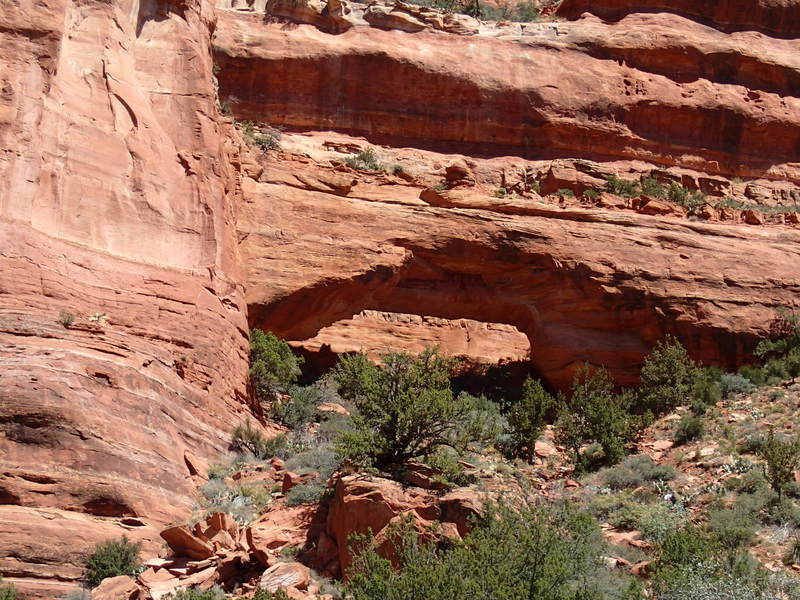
(706, 391)
(298, 407)
(792, 556)
(591, 194)
(7, 592)
(596, 414)
(732, 528)
(689, 428)
(681, 548)
(526, 419)
(265, 594)
(635, 471)
(249, 440)
(622, 187)
(782, 458)
(731, 383)
(445, 460)
(407, 409)
(273, 365)
(112, 558)
(514, 555)
(364, 160)
(668, 376)
(565, 193)
(212, 593)
(305, 493)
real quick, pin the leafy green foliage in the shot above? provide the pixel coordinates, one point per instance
(364, 160)
(649, 186)
(298, 407)
(689, 428)
(782, 458)
(212, 593)
(668, 376)
(622, 187)
(112, 558)
(732, 383)
(305, 493)
(552, 554)
(249, 440)
(65, 319)
(406, 409)
(634, 471)
(265, 594)
(596, 414)
(526, 419)
(7, 592)
(262, 137)
(273, 365)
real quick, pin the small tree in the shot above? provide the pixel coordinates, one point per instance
(273, 365)
(406, 408)
(7, 592)
(526, 418)
(596, 414)
(112, 558)
(781, 458)
(668, 376)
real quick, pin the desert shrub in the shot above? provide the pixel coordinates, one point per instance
(250, 440)
(689, 428)
(273, 365)
(65, 319)
(212, 593)
(680, 195)
(320, 458)
(784, 337)
(364, 160)
(445, 460)
(782, 512)
(500, 193)
(711, 581)
(8, 591)
(781, 457)
(305, 493)
(634, 471)
(681, 548)
(297, 408)
(706, 391)
(792, 556)
(596, 414)
(754, 374)
(526, 419)
(622, 187)
(732, 383)
(792, 489)
(750, 482)
(565, 193)
(732, 528)
(655, 521)
(268, 138)
(112, 558)
(668, 376)
(265, 594)
(532, 553)
(750, 444)
(591, 194)
(407, 409)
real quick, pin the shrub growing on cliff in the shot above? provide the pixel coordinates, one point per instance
(596, 414)
(542, 553)
(668, 376)
(273, 365)
(249, 440)
(7, 592)
(526, 418)
(407, 409)
(365, 160)
(112, 558)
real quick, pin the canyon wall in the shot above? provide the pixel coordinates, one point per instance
(117, 208)
(139, 240)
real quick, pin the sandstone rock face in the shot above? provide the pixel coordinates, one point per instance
(116, 207)
(377, 332)
(582, 284)
(775, 17)
(634, 89)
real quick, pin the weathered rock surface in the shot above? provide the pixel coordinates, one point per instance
(775, 17)
(643, 88)
(116, 207)
(582, 284)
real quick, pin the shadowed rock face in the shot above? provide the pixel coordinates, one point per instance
(581, 284)
(117, 200)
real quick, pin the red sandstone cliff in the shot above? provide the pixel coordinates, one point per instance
(117, 199)
(123, 204)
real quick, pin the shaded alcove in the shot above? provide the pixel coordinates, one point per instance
(568, 316)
